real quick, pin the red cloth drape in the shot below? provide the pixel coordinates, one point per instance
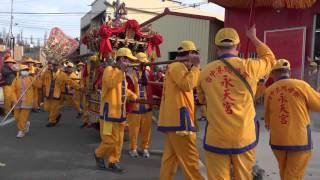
(154, 43)
(85, 40)
(130, 86)
(105, 44)
(133, 24)
(98, 82)
(85, 72)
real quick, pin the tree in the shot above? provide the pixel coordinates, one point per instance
(4, 32)
(18, 39)
(31, 40)
(21, 35)
(38, 42)
(45, 37)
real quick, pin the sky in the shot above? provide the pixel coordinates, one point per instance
(37, 25)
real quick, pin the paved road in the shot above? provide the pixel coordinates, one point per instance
(66, 153)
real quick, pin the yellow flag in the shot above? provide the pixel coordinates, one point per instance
(107, 128)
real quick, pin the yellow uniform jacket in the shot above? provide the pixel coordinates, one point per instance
(54, 84)
(19, 85)
(140, 91)
(231, 128)
(287, 106)
(68, 89)
(177, 103)
(114, 95)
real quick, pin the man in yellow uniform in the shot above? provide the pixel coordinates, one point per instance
(226, 86)
(32, 72)
(37, 90)
(177, 117)
(31, 64)
(77, 97)
(139, 115)
(9, 73)
(287, 106)
(54, 81)
(23, 107)
(85, 83)
(113, 112)
(69, 92)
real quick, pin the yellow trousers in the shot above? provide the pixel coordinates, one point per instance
(116, 153)
(53, 107)
(203, 111)
(180, 150)
(140, 123)
(7, 94)
(219, 165)
(292, 164)
(110, 147)
(77, 101)
(70, 101)
(21, 116)
(36, 104)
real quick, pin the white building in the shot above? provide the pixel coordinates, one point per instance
(177, 26)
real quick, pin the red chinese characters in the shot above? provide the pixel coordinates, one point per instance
(284, 114)
(228, 100)
(281, 95)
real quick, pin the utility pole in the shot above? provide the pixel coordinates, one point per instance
(10, 40)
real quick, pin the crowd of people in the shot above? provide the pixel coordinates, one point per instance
(225, 90)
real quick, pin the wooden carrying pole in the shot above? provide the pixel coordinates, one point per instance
(158, 63)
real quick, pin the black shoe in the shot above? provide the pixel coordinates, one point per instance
(34, 110)
(99, 162)
(84, 125)
(58, 118)
(115, 167)
(49, 125)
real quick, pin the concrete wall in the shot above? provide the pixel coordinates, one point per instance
(175, 29)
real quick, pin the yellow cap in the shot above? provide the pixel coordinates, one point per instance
(30, 60)
(187, 46)
(23, 67)
(10, 60)
(94, 58)
(313, 63)
(227, 34)
(38, 62)
(281, 64)
(125, 52)
(142, 57)
(70, 64)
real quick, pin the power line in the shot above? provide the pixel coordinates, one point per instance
(50, 13)
(82, 13)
